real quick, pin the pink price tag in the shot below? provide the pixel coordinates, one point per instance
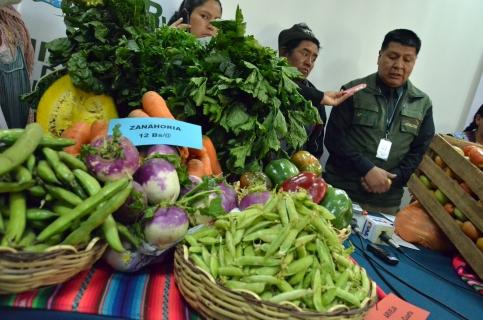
(392, 308)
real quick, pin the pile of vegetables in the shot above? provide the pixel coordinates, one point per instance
(47, 197)
(283, 251)
(242, 93)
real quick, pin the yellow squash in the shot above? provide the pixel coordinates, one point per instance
(63, 104)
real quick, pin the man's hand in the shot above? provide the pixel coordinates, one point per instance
(334, 98)
(377, 180)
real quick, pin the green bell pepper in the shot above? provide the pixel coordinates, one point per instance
(340, 205)
(280, 170)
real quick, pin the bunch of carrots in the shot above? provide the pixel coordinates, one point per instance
(83, 133)
(200, 162)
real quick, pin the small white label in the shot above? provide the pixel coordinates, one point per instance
(383, 149)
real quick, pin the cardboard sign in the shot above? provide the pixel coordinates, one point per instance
(151, 131)
(392, 308)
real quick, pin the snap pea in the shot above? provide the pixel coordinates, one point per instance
(317, 287)
(291, 211)
(275, 244)
(221, 257)
(191, 240)
(261, 278)
(205, 255)
(222, 224)
(199, 262)
(239, 285)
(237, 237)
(22, 174)
(27, 239)
(258, 226)
(37, 248)
(61, 208)
(248, 251)
(272, 203)
(207, 240)
(23, 147)
(71, 161)
(326, 232)
(325, 256)
(62, 194)
(39, 214)
(111, 234)
(271, 216)
(195, 249)
(282, 211)
(10, 136)
(269, 271)
(2, 224)
(297, 278)
(229, 244)
(257, 261)
(248, 218)
(206, 231)
(291, 236)
(88, 182)
(347, 296)
(299, 265)
(214, 265)
(62, 223)
(17, 221)
(291, 295)
(45, 172)
(97, 218)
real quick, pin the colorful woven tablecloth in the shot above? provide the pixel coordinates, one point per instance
(150, 294)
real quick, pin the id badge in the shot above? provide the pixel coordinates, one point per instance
(383, 149)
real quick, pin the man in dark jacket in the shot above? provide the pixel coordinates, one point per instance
(301, 48)
(376, 139)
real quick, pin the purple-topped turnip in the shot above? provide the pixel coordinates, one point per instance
(159, 180)
(134, 207)
(160, 149)
(110, 158)
(260, 197)
(167, 226)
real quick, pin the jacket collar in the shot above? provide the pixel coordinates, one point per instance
(373, 87)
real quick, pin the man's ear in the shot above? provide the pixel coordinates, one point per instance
(283, 52)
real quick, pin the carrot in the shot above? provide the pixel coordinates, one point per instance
(211, 151)
(196, 168)
(98, 129)
(155, 106)
(80, 133)
(137, 113)
(206, 164)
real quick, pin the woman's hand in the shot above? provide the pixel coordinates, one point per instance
(334, 98)
(180, 25)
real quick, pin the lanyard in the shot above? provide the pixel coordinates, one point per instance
(390, 118)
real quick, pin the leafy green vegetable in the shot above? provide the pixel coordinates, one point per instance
(242, 93)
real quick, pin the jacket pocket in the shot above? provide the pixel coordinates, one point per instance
(365, 117)
(411, 120)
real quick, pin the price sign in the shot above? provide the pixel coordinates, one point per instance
(149, 131)
(392, 308)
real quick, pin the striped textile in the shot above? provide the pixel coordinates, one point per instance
(149, 294)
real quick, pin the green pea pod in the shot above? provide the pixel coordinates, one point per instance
(30, 164)
(36, 248)
(253, 287)
(2, 224)
(45, 172)
(62, 223)
(124, 232)
(27, 239)
(10, 136)
(97, 218)
(6, 187)
(23, 147)
(299, 265)
(62, 194)
(37, 191)
(71, 161)
(61, 208)
(291, 295)
(40, 214)
(88, 182)
(111, 234)
(17, 222)
(61, 170)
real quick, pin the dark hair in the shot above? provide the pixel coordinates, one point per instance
(403, 36)
(186, 8)
(289, 39)
(472, 126)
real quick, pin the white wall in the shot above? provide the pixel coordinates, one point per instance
(449, 65)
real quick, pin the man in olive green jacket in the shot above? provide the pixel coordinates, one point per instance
(377, 138)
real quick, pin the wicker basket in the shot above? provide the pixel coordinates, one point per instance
(214, 301)
(23, 271)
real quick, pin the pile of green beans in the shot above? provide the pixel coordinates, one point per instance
(48, 197)
(284, 251)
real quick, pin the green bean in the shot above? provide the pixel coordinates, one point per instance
(37, 191)
(88, 182)
(22, 148)
(74, 186)
(45, 172)
(299, 265)
(27, 239)
(17, 222)
(22, 174)
(111, 234)
(71, 161)
(39, 214)
(97, 218)
(282, 211)
(62, 223)
(30, 163)
(61, 208)
(257, 261)
(61, 170)
(239, 285)
(62, 194)
(9, 136)
(125, 233)
(291, 295)
(6, 187)
(347, 296)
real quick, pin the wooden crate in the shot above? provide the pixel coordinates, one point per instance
(472, 208)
